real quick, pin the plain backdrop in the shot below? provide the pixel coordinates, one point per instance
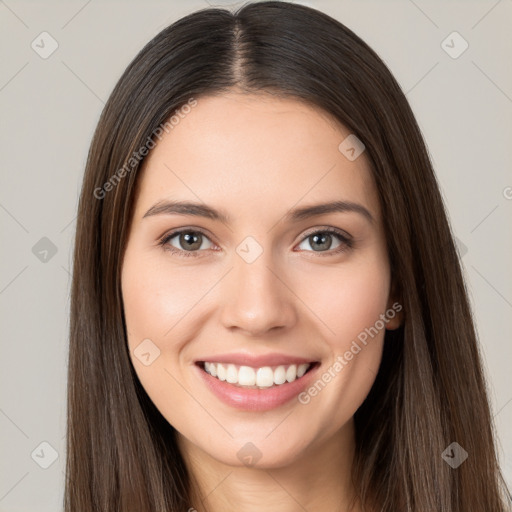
(50, 104)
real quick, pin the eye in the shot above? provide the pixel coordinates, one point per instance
(185, 242)
(322, 241)
(190, 242)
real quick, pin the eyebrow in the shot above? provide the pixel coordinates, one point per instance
(295, 215)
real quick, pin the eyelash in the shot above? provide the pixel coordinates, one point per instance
(346, 242)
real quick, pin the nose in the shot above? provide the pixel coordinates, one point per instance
(258, 298)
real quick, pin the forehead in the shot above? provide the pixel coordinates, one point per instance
(257, 153)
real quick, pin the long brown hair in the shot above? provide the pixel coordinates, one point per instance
(430, 390)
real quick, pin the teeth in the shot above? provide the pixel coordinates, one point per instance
(291, 373)
(301, 370)
(231, 374)
(246, 376)
(280, 375)
(221, 371)
(264, 377)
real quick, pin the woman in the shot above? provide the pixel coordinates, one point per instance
(268, 310)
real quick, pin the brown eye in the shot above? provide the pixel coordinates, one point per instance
(185, 241)
(323, 240)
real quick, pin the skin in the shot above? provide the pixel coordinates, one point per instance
(255, 157)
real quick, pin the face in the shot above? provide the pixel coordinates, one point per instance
(255, 321)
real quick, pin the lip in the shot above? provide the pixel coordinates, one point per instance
(256, 399)
(255, 361)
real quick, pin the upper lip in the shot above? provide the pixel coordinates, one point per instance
(256, 361)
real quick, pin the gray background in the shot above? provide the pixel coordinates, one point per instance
(49, 108)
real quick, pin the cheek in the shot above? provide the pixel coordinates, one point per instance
(148, 315)
(348, 300)
(350, 305)
(165, 305)
(157, 298)
(156, 302)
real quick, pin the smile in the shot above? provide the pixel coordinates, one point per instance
(258, 387)
(256, 378)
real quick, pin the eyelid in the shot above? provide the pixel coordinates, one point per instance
(344, 237)
(327, 229)
(346, 240)
(163, 240)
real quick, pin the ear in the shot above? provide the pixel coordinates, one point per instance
(394, 309)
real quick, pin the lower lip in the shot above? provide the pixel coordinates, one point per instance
(256, 399)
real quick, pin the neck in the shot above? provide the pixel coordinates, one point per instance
(319, 479)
